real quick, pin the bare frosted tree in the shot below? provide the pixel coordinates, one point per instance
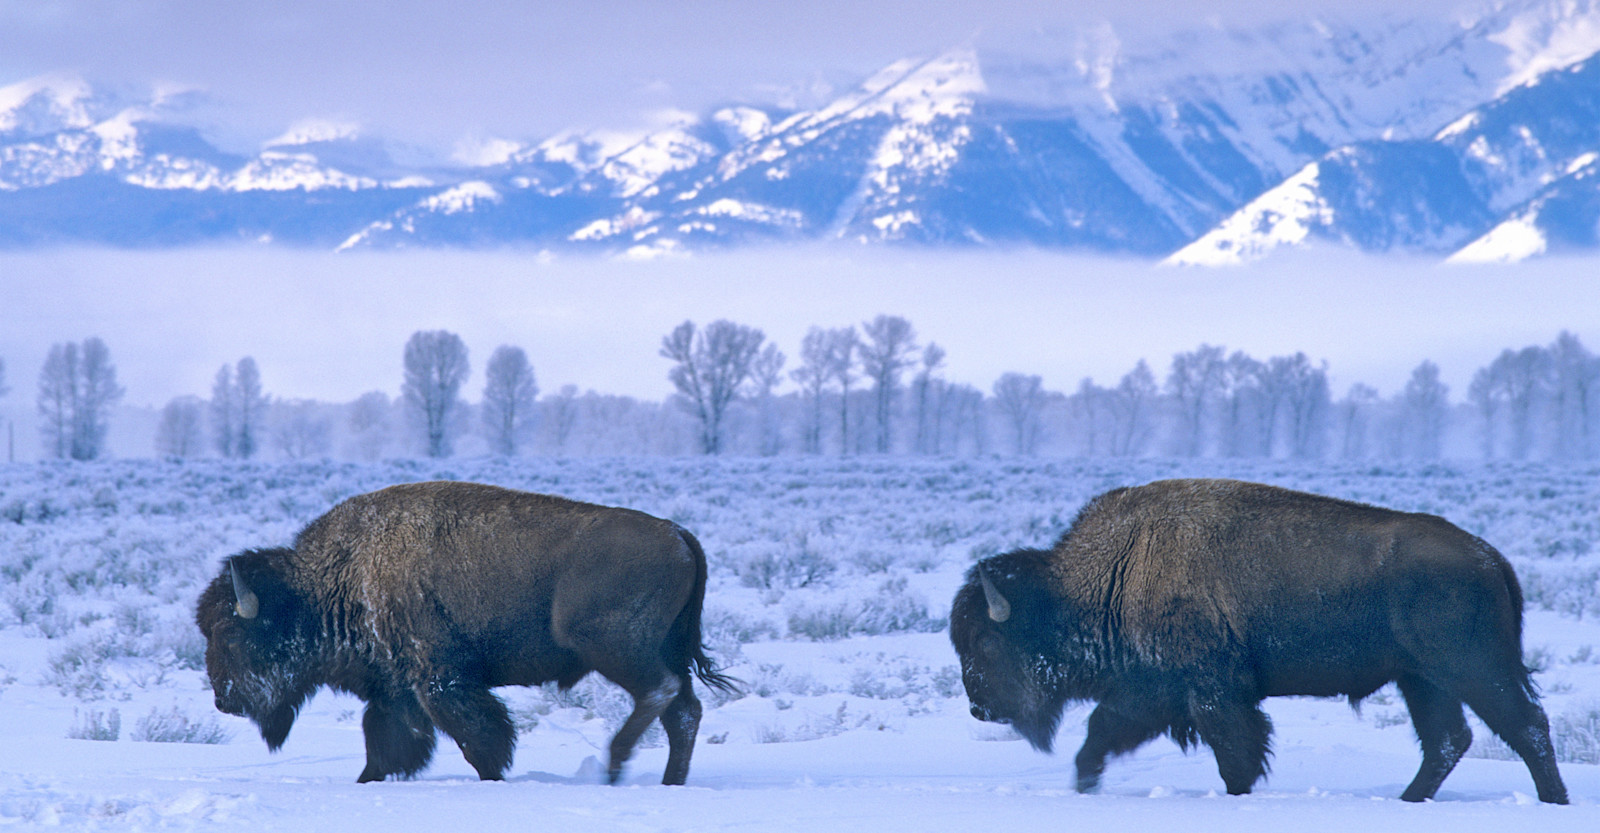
(1194, 381)
(1575, 385)
(1242, 412)
(238, 409)
(369, 424)
(178, 434)
(1486, 393)
(1275, 388)
(765, 374)
(77, 389)
(58, 398)
(885, 355)
(708, 371)
(1308, 400)
(1131, 403)
(1021, 398)
(965, 404)
(812, 376)
(1355, 411)
(224, 412)
(509, 393)
(563, 409)
(926, 393)
(1522, 378)
(301, 431)
(1426, 404)
(252, 409)
(435, 369)
(100, 392)
(842, 344)
(1087, 405)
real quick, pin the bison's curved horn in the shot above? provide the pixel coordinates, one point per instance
(246, 604)
(999, 608)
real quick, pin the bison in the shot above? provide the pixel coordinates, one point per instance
(1180, 605)
(420, 598)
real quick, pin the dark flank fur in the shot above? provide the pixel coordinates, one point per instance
(1177, 607)
(422, 598)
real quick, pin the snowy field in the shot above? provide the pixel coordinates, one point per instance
(830, 582)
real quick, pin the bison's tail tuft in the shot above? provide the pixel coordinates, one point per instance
(685, 647)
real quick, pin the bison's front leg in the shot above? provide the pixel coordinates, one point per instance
(477, 720)
(399, 738)
(1237, 731)
(1110, 733)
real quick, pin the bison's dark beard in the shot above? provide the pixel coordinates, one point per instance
(275, 727)
(276, 722)
(1039, 728)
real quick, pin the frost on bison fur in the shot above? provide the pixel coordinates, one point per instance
(420, 598)
(1178, 606)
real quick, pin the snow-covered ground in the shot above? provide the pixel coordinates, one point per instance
(830, 581)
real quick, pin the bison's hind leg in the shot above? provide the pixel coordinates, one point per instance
(682, 722)
(399, 738)
(1508, 708)
(1441, 730)
(650, 701)
(477, 720)
(1238, 733)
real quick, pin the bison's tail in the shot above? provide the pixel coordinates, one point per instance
(685, 647)
(1514, 590)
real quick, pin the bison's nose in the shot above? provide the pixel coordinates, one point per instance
(981, 713)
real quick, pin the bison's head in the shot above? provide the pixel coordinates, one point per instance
(1002, 625)
(260, 643)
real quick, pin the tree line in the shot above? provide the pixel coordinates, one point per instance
(872, 388)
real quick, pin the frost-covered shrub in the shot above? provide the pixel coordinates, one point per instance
(79, 669)
(814, 726)
(1575, 734)
(174, 726)
(794, 563)
(96, 725)
(143, 657)
(29, 600)
(725, 630)
(1572, 591)
(771, 679)
(892, 609)
(896, 681)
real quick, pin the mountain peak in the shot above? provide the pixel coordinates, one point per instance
(46, 104)
(314, 131)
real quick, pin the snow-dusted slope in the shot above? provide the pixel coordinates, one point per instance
(1487, 183)
(1218, 144)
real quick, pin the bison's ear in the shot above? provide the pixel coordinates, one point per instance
(246, 604)
(999, 607)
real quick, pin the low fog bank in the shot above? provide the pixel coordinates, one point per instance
(331, 327)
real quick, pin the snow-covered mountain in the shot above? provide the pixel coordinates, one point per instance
(1505, 180)
(1463, 134)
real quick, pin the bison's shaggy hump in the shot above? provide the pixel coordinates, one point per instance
(1178, 606)
(419, 598)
